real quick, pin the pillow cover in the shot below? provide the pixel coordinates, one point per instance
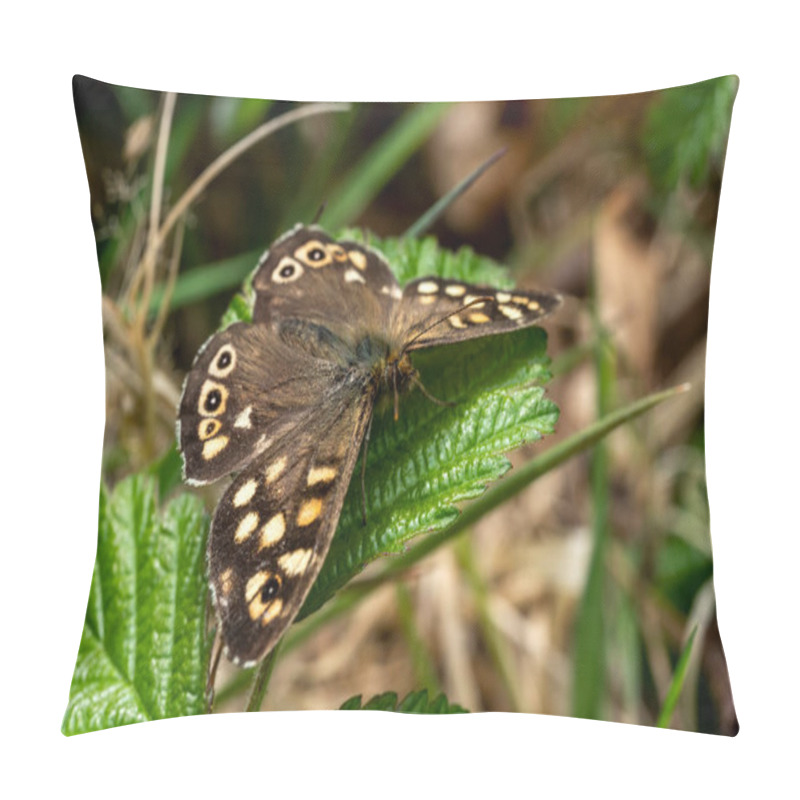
(304, 469)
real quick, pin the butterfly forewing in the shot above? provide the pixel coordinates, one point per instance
(434, 311)
(244, 389)
(274, 524)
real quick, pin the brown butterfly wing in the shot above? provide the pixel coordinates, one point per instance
(435, 311)
(273, 526)
(244, 390)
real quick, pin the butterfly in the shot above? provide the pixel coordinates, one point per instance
(286, 403)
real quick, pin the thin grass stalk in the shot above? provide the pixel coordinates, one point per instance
(261, 681)
(498, 651)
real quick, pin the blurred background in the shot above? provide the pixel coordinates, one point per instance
(578, 596)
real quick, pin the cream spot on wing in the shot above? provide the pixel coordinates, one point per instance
(321, 475)
(246, 526)
(534, 305)
(272, 610)
(254, 584)
(256, 608)
(226, 581)
(518, 298)
(353, 275)
(276, 468)
(243, 419)
(428, 299)
(396, 292)
(296, 562)
(455, 290)
(428, 287)
(309, 511)
(245, 493)
(273, 531)
(358, 258)
(503, 297)
(511, 312)
(472, 299)
(214, 447)
(478, 318)
(457, 322)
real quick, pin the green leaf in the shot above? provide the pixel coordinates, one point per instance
(686, 132)
(145, 648)
(413, 703)
(420, 466)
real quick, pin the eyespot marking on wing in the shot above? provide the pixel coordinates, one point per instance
(208, 428)
(313, 254)
(287, 271)
(224, 362)
(213, 399)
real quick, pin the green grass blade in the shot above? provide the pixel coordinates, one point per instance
(590, 649)
(423, 665)
(381, 163)
(207, 280)
(676, 685)
(438, 208)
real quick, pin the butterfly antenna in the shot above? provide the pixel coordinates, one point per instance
(444, 403)
(445, 317)
(318, 215)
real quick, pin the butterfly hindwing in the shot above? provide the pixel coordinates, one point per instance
(274, 524)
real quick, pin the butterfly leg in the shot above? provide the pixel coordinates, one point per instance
(444, 403)
(364, 471)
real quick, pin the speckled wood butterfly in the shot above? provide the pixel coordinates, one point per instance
(286, 402)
